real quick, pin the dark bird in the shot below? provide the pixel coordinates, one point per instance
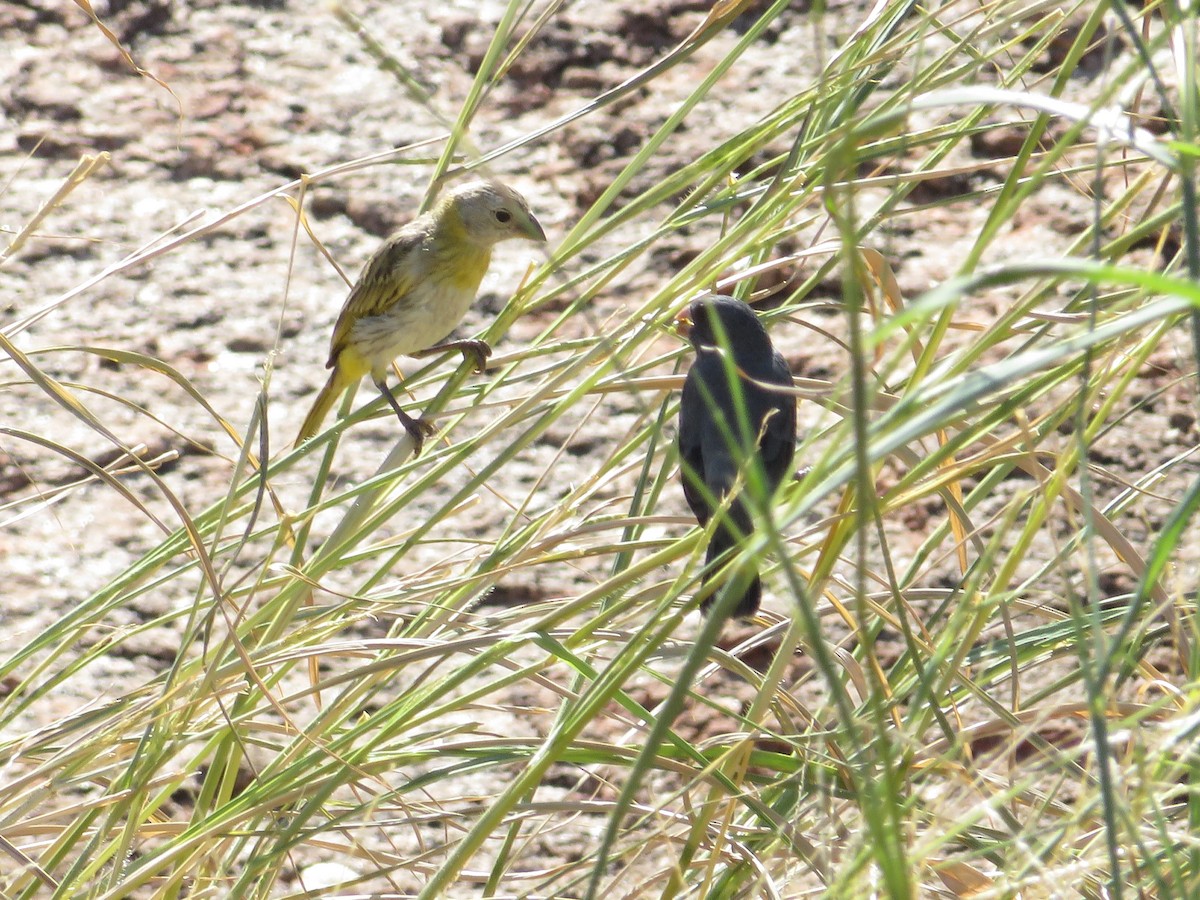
(731, 424)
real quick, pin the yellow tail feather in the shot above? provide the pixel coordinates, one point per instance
(320, 409)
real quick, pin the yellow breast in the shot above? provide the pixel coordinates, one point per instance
(459, 261)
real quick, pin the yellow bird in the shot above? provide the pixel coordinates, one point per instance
(416, 288)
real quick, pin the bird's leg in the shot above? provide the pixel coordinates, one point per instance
(479, 351)
(416, 428)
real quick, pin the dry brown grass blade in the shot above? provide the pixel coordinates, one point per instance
(885, 279)
(722, 13)
(155, 249)
(67, 400)
(86, 6)
(99, 472)
(85, 169)
(992, 728)
(964, 880)
(152, 364)
(1107, 530)
(27, 864)
(297, 206)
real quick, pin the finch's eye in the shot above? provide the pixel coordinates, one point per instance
(503, 216)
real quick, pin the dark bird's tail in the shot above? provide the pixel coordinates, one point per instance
(723, 541)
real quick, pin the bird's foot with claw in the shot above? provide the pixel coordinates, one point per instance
(418, 430)
(478, 351)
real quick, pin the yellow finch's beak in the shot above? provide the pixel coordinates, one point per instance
(683, 324)
(531, 228)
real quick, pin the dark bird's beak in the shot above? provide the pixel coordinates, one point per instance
(684, 323)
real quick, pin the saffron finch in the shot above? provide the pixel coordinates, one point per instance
(416, 288)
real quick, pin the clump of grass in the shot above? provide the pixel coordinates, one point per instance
(990, 733)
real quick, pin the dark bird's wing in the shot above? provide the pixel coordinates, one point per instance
(708, 420)
(777, 447)
(695, 420)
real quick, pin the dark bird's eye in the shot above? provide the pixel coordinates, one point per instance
(503, 216)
